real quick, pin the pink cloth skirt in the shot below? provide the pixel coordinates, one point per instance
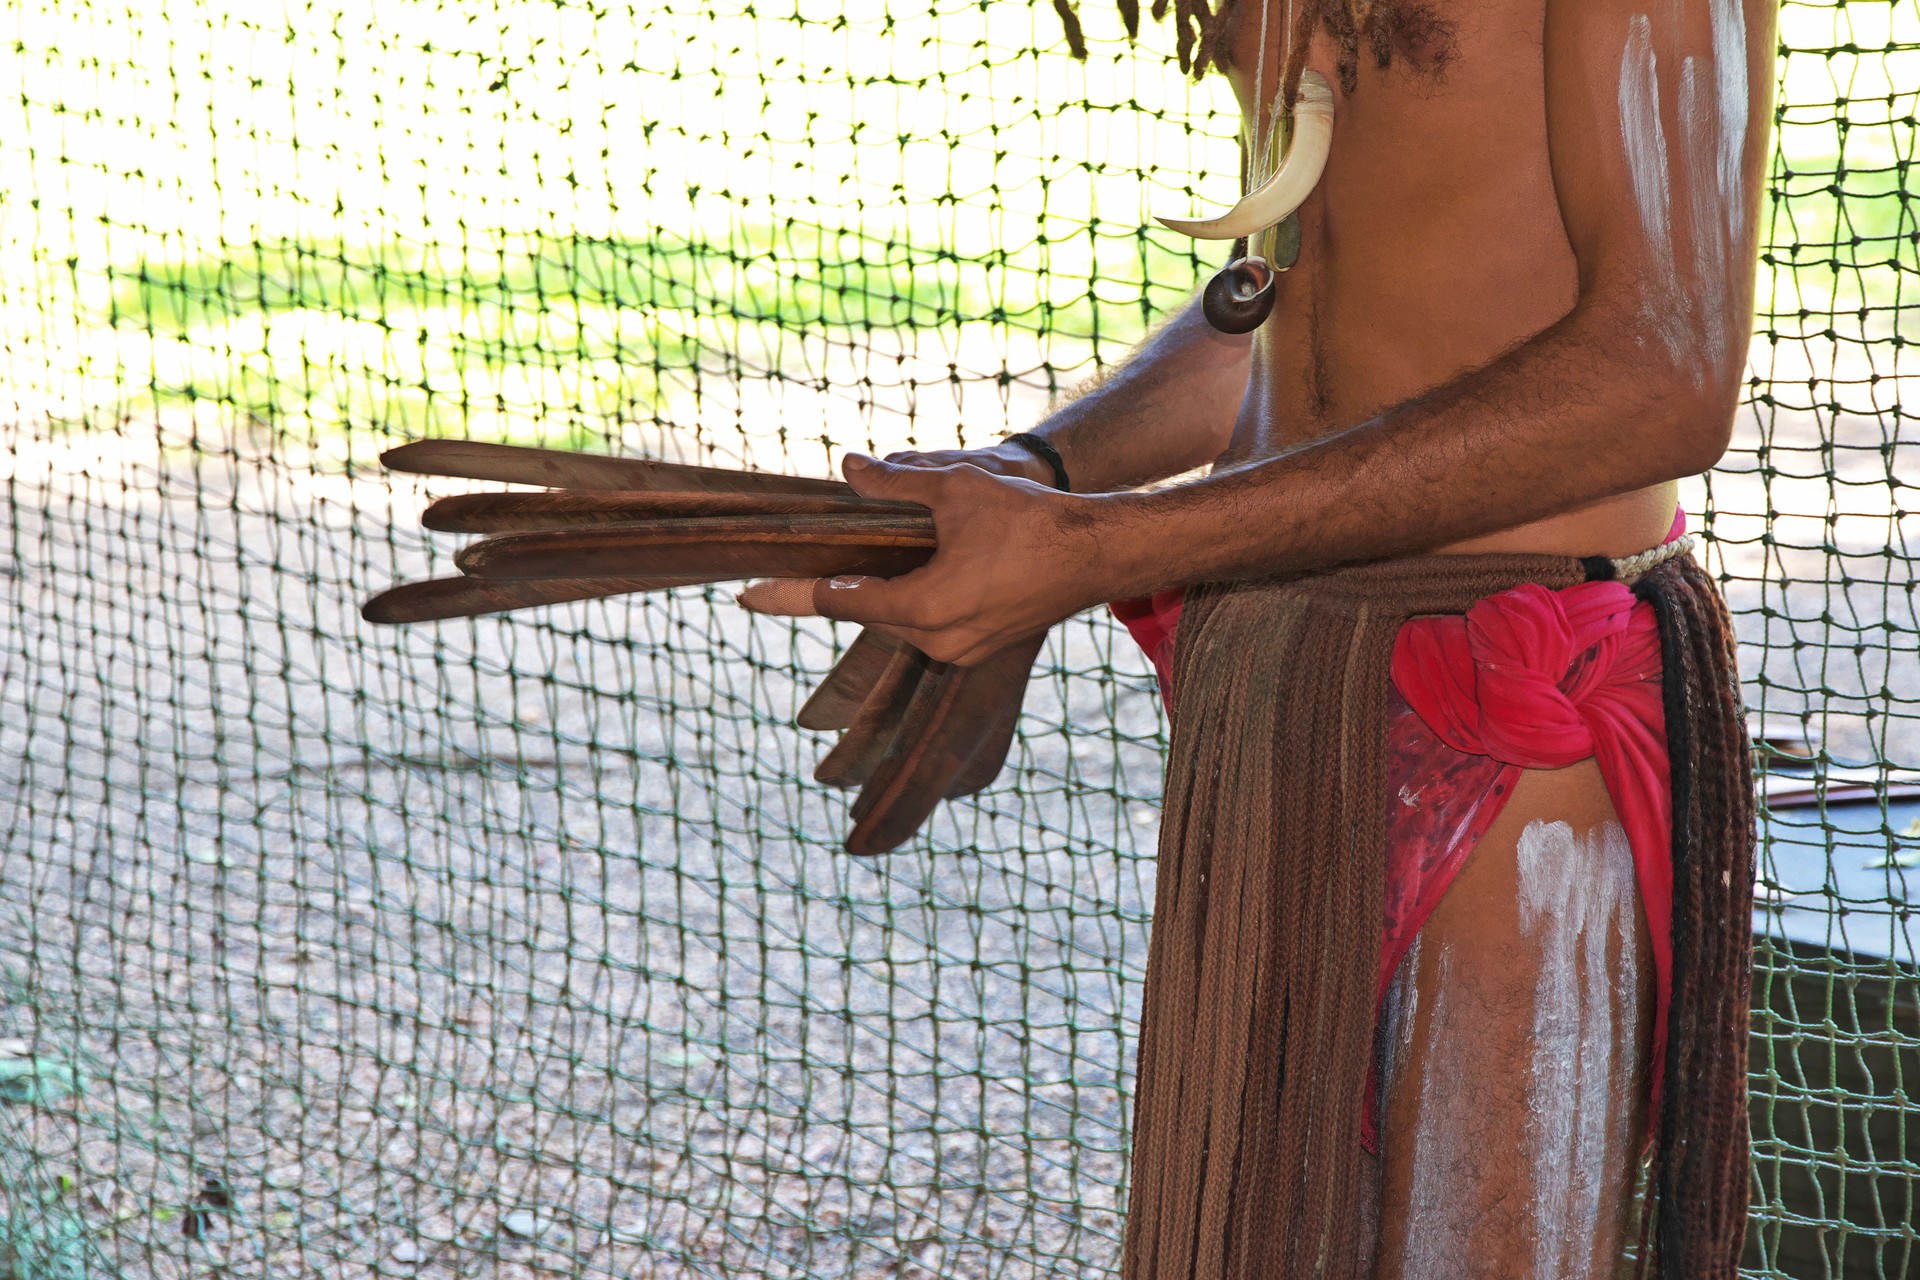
(1528, 678)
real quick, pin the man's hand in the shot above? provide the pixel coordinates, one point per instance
(1002, 459)
(1015, 557)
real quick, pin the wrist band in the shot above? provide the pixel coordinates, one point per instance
(1040, 449)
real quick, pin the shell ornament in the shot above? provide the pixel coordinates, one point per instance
(1240, 297)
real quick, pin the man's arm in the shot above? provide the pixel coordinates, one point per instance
(1657, 131)
(1168, 408)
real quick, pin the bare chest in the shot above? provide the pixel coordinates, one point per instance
(1434, 241)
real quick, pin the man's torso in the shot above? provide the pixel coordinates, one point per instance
(1433, 244)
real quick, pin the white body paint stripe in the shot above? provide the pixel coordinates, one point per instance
(1645, 139)
(1576, 898)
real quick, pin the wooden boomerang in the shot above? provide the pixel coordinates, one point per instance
(725, 547)
(848, 686)
(950, 718)
(874, 726)
(835, 703)
(991, 755)
(560, 469)
(563, 509)
(440, 598)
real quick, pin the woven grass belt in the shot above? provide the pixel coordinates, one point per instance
(1258, 1024)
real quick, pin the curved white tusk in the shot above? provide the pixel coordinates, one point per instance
(1291, 184)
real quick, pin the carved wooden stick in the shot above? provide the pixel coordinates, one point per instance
(507, 512)
(725, 547)
(439, 598)
(871, 735)
(953, 714)
(560, 469)
(840, 695)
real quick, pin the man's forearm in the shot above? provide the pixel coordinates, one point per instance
(1169, 408)
(1568, 418)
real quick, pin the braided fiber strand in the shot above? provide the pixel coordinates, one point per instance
(1701, 1171)
(1258, 1018)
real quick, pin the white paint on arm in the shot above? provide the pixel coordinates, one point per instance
(1708, 212)
(1691, 313)
(1645, 140)
(1730, 72)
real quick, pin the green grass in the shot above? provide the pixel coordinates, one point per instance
(565, 336)
(796, 277)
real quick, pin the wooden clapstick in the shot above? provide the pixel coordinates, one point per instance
(560, 469)
(508, 512)
(721, 547)
(871, 734)
(440, 598)
(954, 714)
(991, 755)
(919, 733)
(852, 680)
(839, 697)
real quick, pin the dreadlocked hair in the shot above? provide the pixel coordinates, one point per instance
(1204, 36)
(1699, 1190)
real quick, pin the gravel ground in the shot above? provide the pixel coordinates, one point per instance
(521, 948)
(399, 934)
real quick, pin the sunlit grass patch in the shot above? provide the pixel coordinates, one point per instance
(562, 338)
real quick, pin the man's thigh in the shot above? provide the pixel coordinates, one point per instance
(1514, 1095)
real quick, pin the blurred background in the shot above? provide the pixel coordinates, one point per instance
(524, 946)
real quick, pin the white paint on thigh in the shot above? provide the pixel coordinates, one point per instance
(1577, 902)
(1440, 1220)
(1398, 1014)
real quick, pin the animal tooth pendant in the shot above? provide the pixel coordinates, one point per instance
(1292, 182)
(1240, 297)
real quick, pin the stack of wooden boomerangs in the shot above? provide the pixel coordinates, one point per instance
(915, 731)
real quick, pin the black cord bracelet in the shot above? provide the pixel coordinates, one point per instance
(1046, 453)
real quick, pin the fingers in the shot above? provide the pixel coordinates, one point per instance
(902, 608)
(1010, 461)
(851, 598)
(780, 597)
(870, 602)
(915, 458)
(906, 482)
(866, 601)
(927, 459)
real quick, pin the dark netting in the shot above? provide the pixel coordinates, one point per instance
(524, 947)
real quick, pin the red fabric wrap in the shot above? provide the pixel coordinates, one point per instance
(1529, 678)
(1540, 679)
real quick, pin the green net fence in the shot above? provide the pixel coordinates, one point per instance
(524, 947)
